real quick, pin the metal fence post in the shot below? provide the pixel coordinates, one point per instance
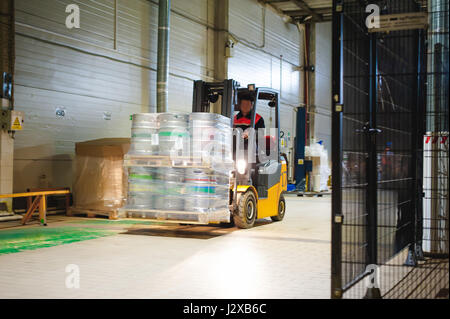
(421, 124)
(336, 200)
(415, 248)
(372, 189)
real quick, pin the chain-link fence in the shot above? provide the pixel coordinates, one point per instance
(382, 92)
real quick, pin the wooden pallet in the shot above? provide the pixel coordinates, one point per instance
(162, 215)
(175, 161)
(92, 213)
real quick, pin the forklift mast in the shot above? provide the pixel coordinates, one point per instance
(206, 93)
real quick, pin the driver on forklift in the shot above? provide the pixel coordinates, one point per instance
(242, 120)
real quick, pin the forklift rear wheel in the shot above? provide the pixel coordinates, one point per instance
(246, 216)
(281, 210)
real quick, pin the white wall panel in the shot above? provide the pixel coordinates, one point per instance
(96, 18)
(323, 85)
(259, 62)
(79, 71)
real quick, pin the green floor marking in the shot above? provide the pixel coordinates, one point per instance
(16, 240)
(111, 222)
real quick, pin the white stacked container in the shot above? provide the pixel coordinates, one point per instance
(144, 134)
(179, 167)
(173, 134)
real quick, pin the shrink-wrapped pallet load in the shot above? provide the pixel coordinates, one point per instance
(183, 172)
(100, 181)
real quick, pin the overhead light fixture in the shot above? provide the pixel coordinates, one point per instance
(287, 19)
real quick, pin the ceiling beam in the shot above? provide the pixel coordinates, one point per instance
(294, 13)
(276, 1)
(302, 20)
(302, 5)
(277, 10)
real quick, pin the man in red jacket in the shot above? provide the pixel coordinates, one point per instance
(242, 119)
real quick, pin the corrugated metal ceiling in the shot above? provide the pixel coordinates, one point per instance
(304, 11)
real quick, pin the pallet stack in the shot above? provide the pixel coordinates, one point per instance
(179, 167)
(100, 181)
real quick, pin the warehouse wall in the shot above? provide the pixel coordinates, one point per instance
(98, 87)
(323, 85)
(267, 58)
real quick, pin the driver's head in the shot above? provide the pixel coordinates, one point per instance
(246, 103)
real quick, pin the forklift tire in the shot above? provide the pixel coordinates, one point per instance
(246, 215)
(281, 210)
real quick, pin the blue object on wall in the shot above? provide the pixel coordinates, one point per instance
(6, 86)
(300, 150)
(291, 187)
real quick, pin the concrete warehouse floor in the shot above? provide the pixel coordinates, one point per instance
(123, 259)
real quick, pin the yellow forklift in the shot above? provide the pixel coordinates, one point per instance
(257, 186)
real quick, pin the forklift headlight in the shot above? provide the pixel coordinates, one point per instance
(241, 165)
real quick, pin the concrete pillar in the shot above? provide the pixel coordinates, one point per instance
(7, 48)
(6, 166)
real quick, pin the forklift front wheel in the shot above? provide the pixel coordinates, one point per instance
(246, 215)
(281, 210)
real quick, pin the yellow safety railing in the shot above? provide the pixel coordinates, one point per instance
(40, 202)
